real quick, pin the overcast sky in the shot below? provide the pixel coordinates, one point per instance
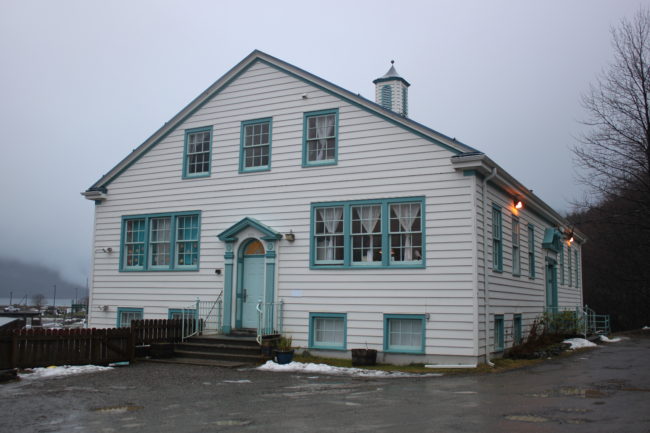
(82, 83)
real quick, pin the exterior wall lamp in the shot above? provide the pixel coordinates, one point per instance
(518, 204)
(290, 236)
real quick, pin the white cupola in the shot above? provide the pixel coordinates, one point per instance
(391, 91)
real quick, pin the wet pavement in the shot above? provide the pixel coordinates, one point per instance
(606, 389)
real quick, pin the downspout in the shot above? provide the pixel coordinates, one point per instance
(486, 297)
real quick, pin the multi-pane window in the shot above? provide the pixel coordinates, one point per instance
(562, 264)
(499, 335)
(320, 138)
(497, 240)
(516, 256)
(576, 267)
(180, 314)
(328, 235)
(159, 237)
(531, 251)
(126, 315)
(197, 152)
(256, 145)
(570, 253)
(368, 233)
(517, 335)
(134, 245)
(403, 333)
(187, 240)
(405, 232)
(327, 330)
(160, 242)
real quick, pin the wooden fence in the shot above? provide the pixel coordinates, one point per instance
(27, 348)
(160, 331)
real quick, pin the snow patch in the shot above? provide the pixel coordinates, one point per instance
(605, 339)
(579, 343)
(300, 367)
(59, 371)
(646, 328)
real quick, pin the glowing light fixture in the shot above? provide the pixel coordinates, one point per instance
(518, 203)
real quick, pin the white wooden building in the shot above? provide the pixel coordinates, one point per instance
(275, 185)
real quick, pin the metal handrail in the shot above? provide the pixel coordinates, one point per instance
(207, 316)
(269, 319)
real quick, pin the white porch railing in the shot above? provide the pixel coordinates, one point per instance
(269, 319)
(583, 319)
(203, 317)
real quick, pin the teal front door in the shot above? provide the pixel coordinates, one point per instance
(551, 287)
(252, 283)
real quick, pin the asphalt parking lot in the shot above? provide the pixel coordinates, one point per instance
(606, 389)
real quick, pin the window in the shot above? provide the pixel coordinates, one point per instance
(404, 333)
(516, 257)
(562, 264)
(368, 233)
(498, 333)
(255, 145)
(160, 242)
(179, 313)
(517, 329)
(497, 243)
(387, 97)
(126, 315)
(531, 251)
(196, 161)
(327, 331)
(570, 266)
(576, 266)
(320, 138)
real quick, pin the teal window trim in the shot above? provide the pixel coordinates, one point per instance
(173, 241)
(576, 266)
(121, 310)
(516, 247)
(562, 264)
(242, 146)
(190, 313)
(497, 239)
(186, 156)
(570, 266)
(531, 251)
(517, 329)
(404, 349)
(313, 344)
(305, 154)
(499, 333)
(386, 262)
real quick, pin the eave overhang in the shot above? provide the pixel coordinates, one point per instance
(230, 234)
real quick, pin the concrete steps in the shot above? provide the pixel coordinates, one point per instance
(235, 350)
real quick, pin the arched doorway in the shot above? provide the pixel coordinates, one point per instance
(250, 284)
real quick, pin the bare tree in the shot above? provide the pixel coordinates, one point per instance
(38, 300)
(615, 150)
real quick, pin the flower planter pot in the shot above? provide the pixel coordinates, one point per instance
(283, 357)
(364, 357)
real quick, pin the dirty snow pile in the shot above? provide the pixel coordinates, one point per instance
(311, 368)
(646, 328)
(579, 343)
(606, 339)
(64, 370)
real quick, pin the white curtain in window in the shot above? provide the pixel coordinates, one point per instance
(369, 216)
(324, 128)
(331, 216)
(407, 213)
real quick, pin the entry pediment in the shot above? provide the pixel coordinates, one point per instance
(230, 234)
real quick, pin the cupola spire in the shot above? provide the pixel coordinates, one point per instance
(391, 91)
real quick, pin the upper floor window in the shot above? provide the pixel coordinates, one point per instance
(160, 242)
(320, 138)
(368, 233)
(561, 271)
(531, 251)
(255, 145)
(570, 254)
(196, 160)
(497, 239)
(516, 256)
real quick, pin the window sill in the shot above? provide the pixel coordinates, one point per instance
(317, 267)
(196, 176)
(161, 270)
(319, 163)
(404, 351)
(337, 349)
(253, 170)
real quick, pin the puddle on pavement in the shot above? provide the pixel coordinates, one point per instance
(571, 392)
(117, 409)
(527, 418)
(231, 422)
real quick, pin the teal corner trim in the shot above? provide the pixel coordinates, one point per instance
(305, 159)
(347, 262)
(404, 349)
(242, 147)
(146, 218)
(312, 329)
(188, 132)
(121, 310)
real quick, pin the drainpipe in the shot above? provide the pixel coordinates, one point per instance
(486, 297)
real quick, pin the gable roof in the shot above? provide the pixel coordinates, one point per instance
(229, 235)
(451, 144)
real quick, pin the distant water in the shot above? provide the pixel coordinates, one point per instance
(61, 302)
